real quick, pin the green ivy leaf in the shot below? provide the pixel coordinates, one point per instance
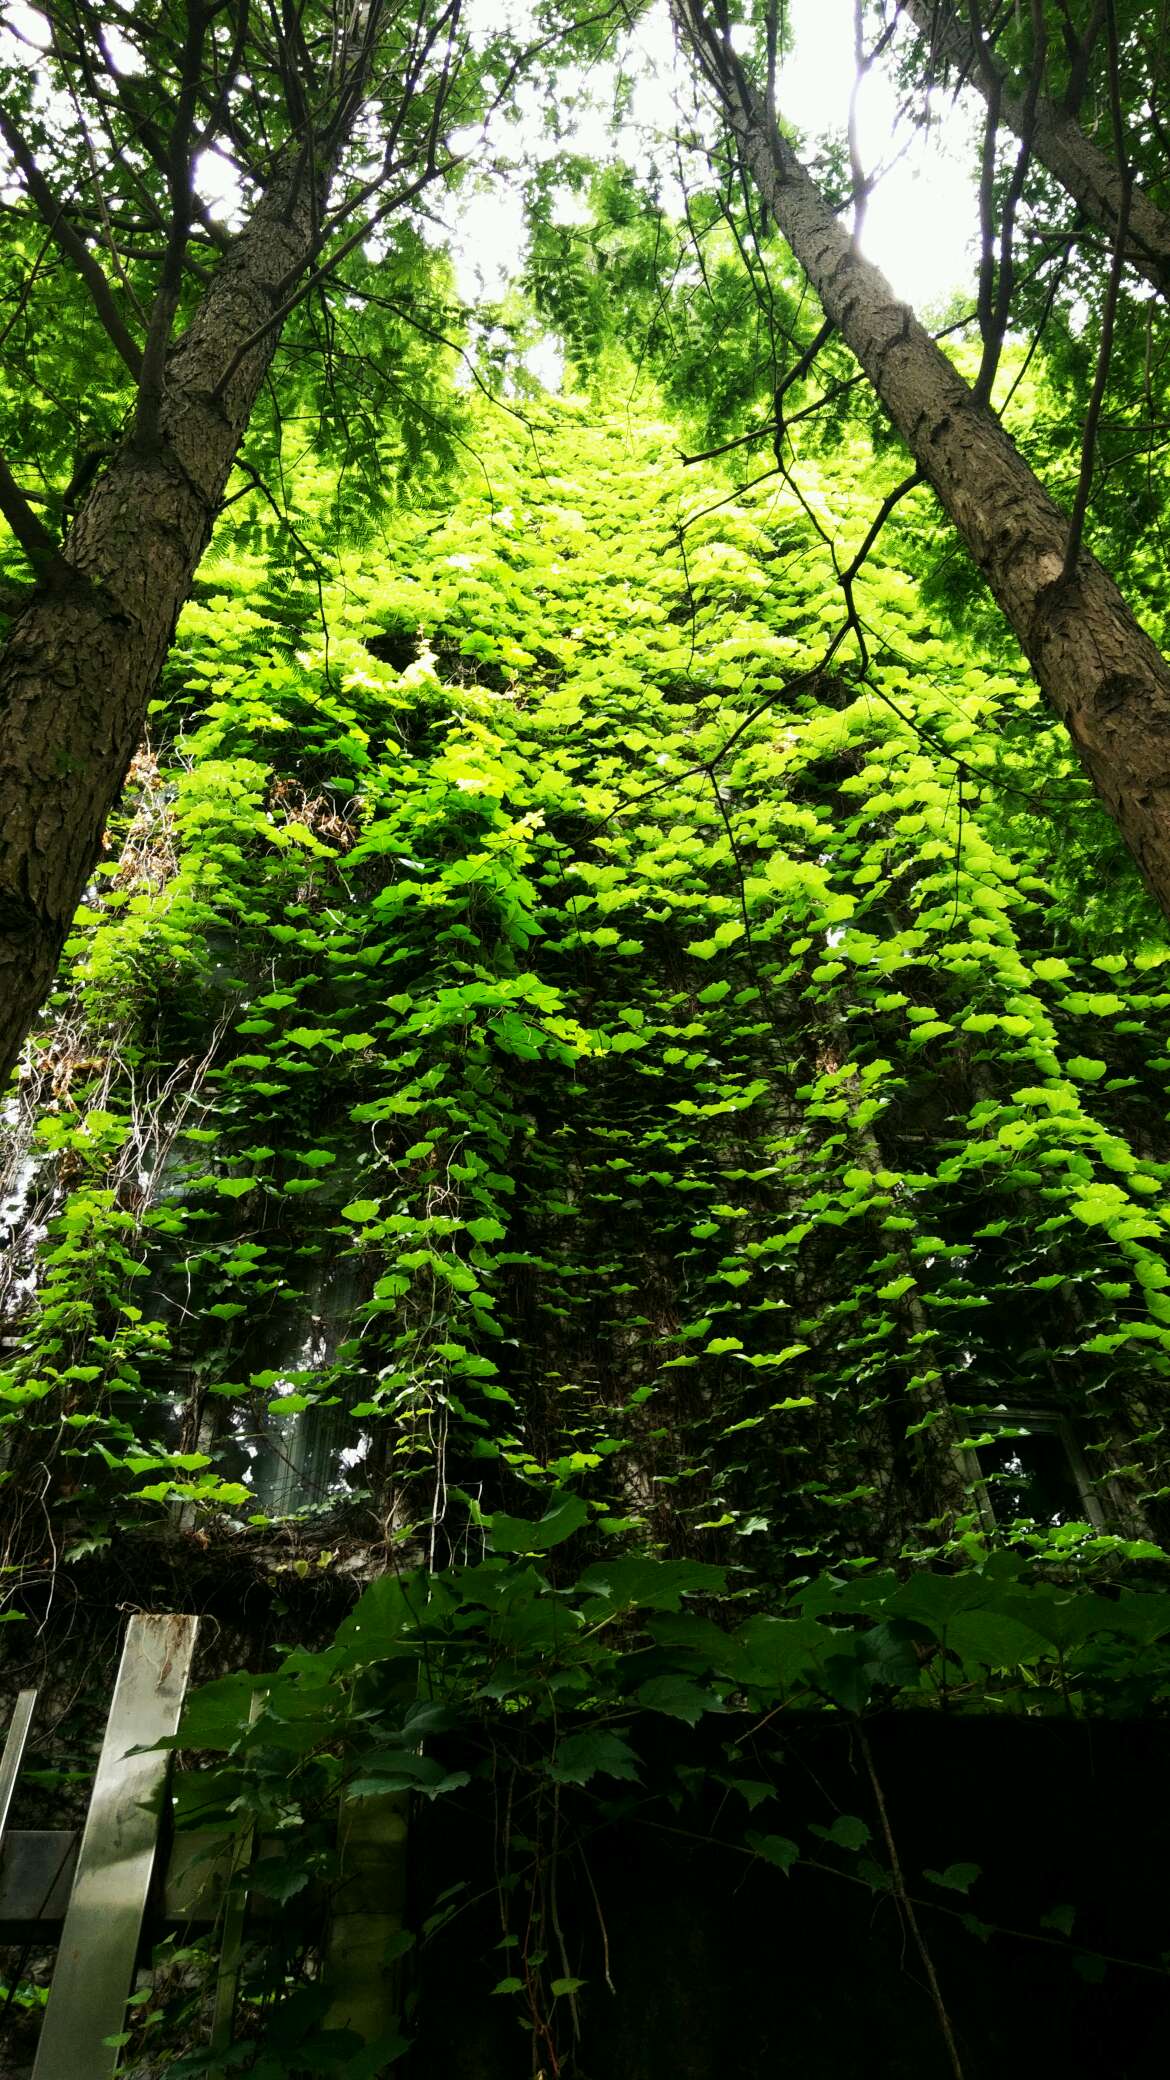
(581, 1756)
(774, 1848)
(957, 1877)
(516, 1535)
(677, 1697)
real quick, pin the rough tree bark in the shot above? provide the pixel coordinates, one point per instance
(1107, 681)
(83, 656)
(1057, 140)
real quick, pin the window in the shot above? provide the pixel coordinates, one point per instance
(1031, 1466)
(312, 1456)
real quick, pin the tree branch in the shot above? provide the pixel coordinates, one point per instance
(1108, 314)
(1003, 272)
(144, 130)
(1057, 140)
(180, 175)
(906, 1904)
(71, 245)
(42, 551)
(327, 267)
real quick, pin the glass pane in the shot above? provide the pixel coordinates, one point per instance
(1031, 1476)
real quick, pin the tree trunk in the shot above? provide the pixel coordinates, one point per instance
(83, 657)
(1105, 678)
(1058, 143)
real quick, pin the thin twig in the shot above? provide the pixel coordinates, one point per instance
(1108, 316)
(57, 222)
(906, 1905)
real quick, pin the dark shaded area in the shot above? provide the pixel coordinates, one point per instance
(1031, 1476)
(396, 647)
(723, 1965)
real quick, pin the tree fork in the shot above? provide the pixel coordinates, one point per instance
(1103, 675)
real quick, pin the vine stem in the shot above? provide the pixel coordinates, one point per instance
(906, 1905)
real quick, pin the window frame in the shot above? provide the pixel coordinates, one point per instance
(1049, 1422)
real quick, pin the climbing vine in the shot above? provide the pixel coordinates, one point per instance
(583, 1103)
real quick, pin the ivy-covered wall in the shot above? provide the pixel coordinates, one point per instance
(559, 1055)
(533, 1023)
